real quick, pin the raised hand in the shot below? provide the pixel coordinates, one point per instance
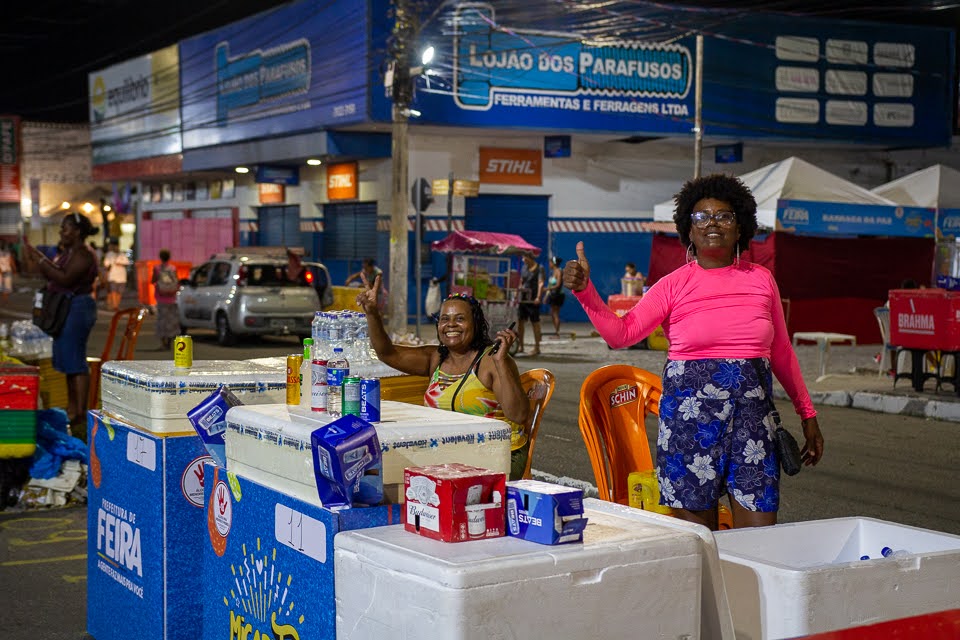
(367, 298)
(576, 273)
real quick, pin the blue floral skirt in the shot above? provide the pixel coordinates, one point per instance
(716, 435)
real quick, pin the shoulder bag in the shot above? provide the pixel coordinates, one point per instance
(50, 310)
(788, 451)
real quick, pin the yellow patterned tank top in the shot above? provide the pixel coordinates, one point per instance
(474, 399)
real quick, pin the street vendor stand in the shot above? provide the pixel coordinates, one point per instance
(487, 265)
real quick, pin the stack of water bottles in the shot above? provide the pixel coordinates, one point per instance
(341, 354)
(27, 340)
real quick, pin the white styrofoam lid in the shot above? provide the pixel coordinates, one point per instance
(161, 374)
(400, 421)
(369, 369)
(607, 541)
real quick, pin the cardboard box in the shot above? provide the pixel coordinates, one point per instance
(268, 560)
(544, 513)
(145, 531)
(454, 502)
(807, 577)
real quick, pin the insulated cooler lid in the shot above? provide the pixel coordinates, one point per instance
(608, 540)
(400, 422)
(204, 375)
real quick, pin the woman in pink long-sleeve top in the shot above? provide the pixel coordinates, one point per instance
(727, 334)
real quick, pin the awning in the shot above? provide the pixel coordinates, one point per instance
(484, 242)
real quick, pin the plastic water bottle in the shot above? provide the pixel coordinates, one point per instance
(887, 552)
(338, 368)
(334, 332)
(305, 378)
(316, 329)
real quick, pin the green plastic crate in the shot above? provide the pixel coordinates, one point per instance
(18, 433)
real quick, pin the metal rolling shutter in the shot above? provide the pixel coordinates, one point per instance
(525, 216)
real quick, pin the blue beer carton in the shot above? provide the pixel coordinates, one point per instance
(209, 419)
(347, 463)
(544, 513)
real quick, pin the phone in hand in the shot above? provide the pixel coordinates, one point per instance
(496, 347)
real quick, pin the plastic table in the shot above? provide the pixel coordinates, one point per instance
(824, 340)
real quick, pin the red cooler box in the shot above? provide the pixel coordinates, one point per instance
(926, 319)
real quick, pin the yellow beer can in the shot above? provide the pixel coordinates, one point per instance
(183, 352)
(294, 360)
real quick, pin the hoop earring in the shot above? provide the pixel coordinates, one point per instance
(737, 261)
(690, 256)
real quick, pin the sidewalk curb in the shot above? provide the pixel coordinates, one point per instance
(884, 403)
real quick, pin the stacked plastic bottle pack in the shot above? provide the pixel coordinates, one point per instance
(270, 444)
(156, 396)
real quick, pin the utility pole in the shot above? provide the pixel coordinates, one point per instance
(698, 111)
(401, 42)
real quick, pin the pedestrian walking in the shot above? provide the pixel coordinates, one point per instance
(115, 263)
(531, 285)
(554, 295)
(166, 285)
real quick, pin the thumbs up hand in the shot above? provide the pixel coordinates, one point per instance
(576, 273)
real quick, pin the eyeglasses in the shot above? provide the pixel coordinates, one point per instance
(722, 218)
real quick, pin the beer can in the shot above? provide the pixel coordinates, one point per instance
(318, 385)
(370, 399)
(294, 360)
(351, 396)
(183, 352)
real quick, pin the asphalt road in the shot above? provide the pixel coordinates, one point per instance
(890, 467)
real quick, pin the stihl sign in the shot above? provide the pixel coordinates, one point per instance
(511, 166)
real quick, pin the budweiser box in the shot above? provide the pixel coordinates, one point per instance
(454, 502)
(544, 513)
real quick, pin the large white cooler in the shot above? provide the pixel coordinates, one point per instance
(807, 577)
(270, 444)
(628, 579)
(156, 396)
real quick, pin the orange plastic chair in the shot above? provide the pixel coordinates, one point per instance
(614, 403)
(128, 342)
(539, 384)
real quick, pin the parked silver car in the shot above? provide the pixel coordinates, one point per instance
(246, 294)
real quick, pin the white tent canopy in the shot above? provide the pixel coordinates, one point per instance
(933, 187)
(791, 179)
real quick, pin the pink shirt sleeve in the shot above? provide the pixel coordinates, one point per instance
(632, 327)
(783, 361)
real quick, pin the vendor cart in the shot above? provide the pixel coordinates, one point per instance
(487, 265)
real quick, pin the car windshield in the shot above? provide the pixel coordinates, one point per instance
(270, 275)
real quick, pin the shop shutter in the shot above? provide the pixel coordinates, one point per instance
(349, 230)
(279, 226)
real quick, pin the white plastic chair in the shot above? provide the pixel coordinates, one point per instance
(899, 354)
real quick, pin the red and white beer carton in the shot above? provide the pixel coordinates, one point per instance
(454, 502)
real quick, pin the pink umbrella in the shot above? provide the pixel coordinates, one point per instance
(484, 242)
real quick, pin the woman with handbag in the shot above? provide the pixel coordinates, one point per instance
(71, 275)
(469, 373)
(727, 333)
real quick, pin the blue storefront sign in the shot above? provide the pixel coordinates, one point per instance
(841, 218)
(763, 76)
(271, 174)
(296, 68)
(948, 223)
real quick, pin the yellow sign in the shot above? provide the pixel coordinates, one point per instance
(468, 188)
(440, 187)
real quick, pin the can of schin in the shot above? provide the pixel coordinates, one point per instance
(294, 360)
(370, 399)
(318, 385)
(183, 352)
(351, 396)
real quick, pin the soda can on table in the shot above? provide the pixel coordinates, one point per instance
(183, 352)
(370, 399)
(351, 396)
(294, 360)
(318, 386)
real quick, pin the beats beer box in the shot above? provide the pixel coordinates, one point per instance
(347, 463)
(454, 502)
(544, 513)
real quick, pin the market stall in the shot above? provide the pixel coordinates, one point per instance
(487, 266)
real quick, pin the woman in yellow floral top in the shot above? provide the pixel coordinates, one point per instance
(465, 374)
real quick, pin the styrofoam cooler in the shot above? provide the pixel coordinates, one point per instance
(627, 579)
(156, 396)
(807, 577)
(270, 444)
